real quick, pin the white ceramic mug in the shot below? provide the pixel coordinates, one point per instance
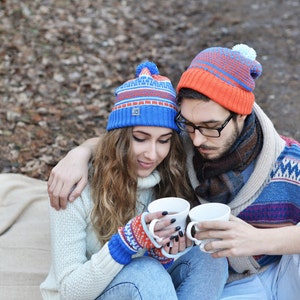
(206, 212)
(177, 208)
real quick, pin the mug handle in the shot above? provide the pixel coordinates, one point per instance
(151, 229)
(189, 233)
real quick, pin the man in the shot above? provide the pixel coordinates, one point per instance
(235, 156)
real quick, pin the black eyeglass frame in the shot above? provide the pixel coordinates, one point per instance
(200, 128)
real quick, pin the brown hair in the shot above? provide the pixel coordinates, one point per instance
(113, 168)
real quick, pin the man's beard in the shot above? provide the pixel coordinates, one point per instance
(226, 148)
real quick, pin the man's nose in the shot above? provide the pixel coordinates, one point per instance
(198, 138)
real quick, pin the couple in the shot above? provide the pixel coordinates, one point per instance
(233, 155)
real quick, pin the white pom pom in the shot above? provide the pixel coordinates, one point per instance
(245, 50)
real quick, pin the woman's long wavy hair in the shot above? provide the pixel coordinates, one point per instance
(114, 180)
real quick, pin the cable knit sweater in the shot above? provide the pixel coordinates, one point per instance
(82, 268)
(270, 197)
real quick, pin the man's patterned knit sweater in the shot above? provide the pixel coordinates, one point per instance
(270, 197)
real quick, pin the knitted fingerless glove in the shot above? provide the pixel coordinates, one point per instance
(128, 241)
(157, 254)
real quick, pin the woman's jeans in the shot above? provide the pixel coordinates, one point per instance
(194, 275)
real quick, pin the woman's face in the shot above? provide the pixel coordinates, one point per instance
(150, 146)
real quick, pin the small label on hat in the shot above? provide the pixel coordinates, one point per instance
(135, 111)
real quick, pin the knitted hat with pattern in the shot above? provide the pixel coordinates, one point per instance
(147, 100)
(224, 75)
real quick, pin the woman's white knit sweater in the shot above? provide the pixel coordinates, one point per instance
(81, 268)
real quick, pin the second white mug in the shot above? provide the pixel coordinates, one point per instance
(206, 212)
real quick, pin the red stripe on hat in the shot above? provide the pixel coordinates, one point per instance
(145, 102)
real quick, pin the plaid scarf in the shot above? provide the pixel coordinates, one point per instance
(221, 179)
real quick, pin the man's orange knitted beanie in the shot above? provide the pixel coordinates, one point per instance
(225, 75)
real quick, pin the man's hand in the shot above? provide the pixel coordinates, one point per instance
(235, 237)
(70, 176)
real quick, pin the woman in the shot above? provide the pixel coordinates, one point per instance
(138, 159)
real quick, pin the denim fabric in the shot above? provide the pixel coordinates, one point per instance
(194, 275)
(279, 282)
(142, 279)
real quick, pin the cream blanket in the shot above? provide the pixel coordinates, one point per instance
(24, 236)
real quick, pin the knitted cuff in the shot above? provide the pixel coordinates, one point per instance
(133, 233)
(157, 254)
(119, 250)
(151, 238)
(168, 264)
(128, 236)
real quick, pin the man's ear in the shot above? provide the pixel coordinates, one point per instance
(242, 117)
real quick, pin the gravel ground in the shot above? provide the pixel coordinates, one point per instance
(61, 60)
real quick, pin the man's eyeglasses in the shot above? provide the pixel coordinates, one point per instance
(209, 132)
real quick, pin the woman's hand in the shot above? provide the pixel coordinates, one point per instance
(135, 236)
(173, 240)
(161, 230)
(179, 243)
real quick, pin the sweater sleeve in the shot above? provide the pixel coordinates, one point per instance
(77, 276)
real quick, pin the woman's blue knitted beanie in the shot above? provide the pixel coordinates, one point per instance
(147, 100)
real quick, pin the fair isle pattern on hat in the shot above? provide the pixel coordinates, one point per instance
(226, 76)
(148, 100)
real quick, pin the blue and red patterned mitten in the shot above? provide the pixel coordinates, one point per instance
(157, 254)
(129, 240)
